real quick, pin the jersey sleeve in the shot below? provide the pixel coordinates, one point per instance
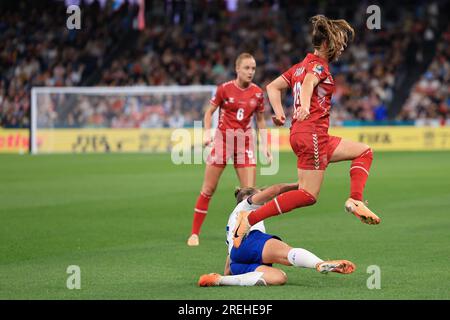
(288, 75)
(317, 69)
(218, 97)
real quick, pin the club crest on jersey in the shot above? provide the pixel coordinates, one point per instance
(318, 68)
(230, 100)
(299, 71)
(252, 103)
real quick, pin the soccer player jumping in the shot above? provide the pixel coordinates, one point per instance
(312, 85)
(238, 100)
(251, 263)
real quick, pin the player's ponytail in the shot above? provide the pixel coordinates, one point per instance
(335, 33)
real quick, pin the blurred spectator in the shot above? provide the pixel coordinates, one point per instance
(429, 100)
(192, 44)
(38, 50)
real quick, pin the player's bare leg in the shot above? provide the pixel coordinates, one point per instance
(210, 182)
(276, 251)
(348, 150)
(361, 156)
(246, 176)
(309, 182)
(272, 276)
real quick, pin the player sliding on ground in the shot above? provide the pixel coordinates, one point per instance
(251, 263)
(312, 86)
(238, 100)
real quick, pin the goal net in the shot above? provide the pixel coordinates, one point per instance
(113, 119)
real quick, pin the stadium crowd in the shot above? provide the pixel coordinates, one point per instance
(184, 45)
(429, 100)
(37, 49)
(121, 111)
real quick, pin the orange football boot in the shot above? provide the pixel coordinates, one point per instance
(360, 210)
(339, 266)
(209, 280)
(242, 228)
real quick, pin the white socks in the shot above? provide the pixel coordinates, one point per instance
(254, 278)
(299, 257)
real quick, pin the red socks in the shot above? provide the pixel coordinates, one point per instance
(200, 211)
(359, 172)
(283, 203)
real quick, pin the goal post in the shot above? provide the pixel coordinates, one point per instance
(113, 119)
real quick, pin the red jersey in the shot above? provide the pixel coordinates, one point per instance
(237, 105)
(319, 111)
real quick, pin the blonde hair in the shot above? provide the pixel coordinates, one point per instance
(243, 56)
(335, 33)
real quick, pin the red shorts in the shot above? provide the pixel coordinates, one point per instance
(233, 144)
(313, 150)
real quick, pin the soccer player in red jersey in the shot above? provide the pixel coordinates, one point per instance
(238, 100)
(312, 85)
(251, 263)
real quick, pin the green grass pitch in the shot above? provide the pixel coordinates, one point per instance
(124, 220)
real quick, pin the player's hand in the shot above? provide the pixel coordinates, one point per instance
(279, 120)
(207, 140)
(301, 113)
(268, 155)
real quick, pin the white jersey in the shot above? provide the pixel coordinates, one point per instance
(246, 206)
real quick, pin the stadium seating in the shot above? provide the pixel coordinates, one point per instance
(429, 100)
(188, 45)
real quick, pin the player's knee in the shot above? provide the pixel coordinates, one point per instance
(283, 278)
(277, 278)
(367, 151)
(365, 156)
(280, 279)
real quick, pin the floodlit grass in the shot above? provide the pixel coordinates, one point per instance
(124, 219)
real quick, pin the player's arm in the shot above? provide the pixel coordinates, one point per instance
(207, 120)
(274, 92)
(260, 121)
(272, 191)
(261, 124)
(227, 271)
(308, 85)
